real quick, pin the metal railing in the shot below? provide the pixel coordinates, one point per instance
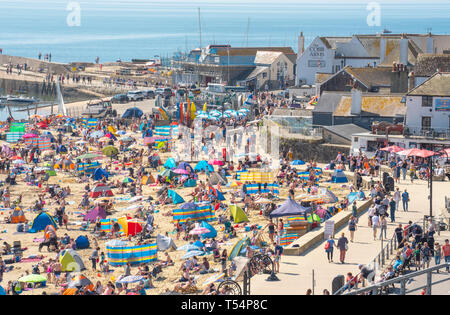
(427, 132)
(378, 287)
(380, 260)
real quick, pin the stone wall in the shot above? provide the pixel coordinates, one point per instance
(312, 150)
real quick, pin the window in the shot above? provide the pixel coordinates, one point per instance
(426, 123)
(427, 101)
(316, 64)
(264, 75)
(355, 139)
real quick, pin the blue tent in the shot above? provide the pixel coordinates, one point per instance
(186, 166)
(220, 196)
(2, 291)
(298, 162)
(41, 221)
(61, 149)
(190, 183)
(339, 177)
(176, 198)
(212, 233)
(133, 113)
(99, 173)
(199, 244)
(203, 166)
(170, 163)
(82, 242)
(289, 208)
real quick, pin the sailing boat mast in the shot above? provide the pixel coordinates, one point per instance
(248, 28)
(200, 28)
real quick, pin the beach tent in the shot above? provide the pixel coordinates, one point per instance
(97, 212)
(133, 113)
(61, 149)
(289, 208)
(203, 166)
(147, 180)
(238, 214)
(212, 231)
(170, 163)
(130, 227)
(165, 242)
(176, 198)
(167, 173)
(119, 253)
(218, 194)
(298, 162)
(41, 221)
(71, 261)
(18, 216)
(339, 177)
(200, 211)
(80, 282)
(49, 230)
(190, 183)
(2, 291)
(99, 173)
(82, 242)
(101, 190)
(238, 248)
(215, 179)
(186, 166)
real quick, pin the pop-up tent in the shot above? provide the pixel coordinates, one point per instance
(203, 166)
(101, 190)
(82, 242)
(298, 162)
(289, 208)
(97, 212)
(133, 113)
(176, 198)
(99, 173)
(215, 179)
(238, 214)
(41, 221)
(339, 177)
(186, 166)
(165, 242)
(18, 216)
(71, 261)
(170, 163)
(190, 183)
(212, 231)
(129, 226)
(147, 180)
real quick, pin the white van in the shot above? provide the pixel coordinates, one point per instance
(216, 88)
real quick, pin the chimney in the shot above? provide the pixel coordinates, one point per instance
(301, 44)
(412, 80)
(399, 78)
(404, 43)
(356, 102)
(430, 44)
(382, 48)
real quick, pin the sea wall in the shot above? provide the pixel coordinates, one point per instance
(307, 150)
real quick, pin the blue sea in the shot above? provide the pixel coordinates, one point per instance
(112, 29)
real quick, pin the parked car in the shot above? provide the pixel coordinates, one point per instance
(135, 96)
(149, 94)
(120, 98)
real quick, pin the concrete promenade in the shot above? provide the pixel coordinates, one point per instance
(296, 271)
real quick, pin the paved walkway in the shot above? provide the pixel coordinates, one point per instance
(296, 271)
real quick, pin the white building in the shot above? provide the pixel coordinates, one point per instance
(330, 54)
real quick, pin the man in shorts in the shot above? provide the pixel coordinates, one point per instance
(278, 251)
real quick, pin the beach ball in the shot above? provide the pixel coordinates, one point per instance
(99, 275)
(113, 278)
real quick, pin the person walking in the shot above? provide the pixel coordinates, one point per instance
(397, 198)
(94, 258)
(375, 225)
(393, 207)
(426, 256)
(446, 253)
(329, 247)
(352, 225)
(437, 254)
(405, 200)
(383, 227)
(342, 244)
(278, 251)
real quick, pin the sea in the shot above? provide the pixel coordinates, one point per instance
(137, 29)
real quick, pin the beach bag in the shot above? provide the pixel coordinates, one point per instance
(327, 245)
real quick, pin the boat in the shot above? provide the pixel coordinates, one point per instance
(386, 31)
(20, 100)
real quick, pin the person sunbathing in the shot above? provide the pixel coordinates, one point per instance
(184, 286)
(168, 261)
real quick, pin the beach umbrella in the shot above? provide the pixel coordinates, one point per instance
(33, 279)
(193, 253)
(81, 142)
(417, 152)
(18, 162)
(128, 180)
(199, 231)
(110, 150)
(35, 116)
(215, 113)
(298, 162)
(213, 118)
(244, 110)
(214, 278)
(29, 136)
(131, 279)
(215, 162)
(393, 148)
(181, 171)
(202, 116)
(88, 156)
